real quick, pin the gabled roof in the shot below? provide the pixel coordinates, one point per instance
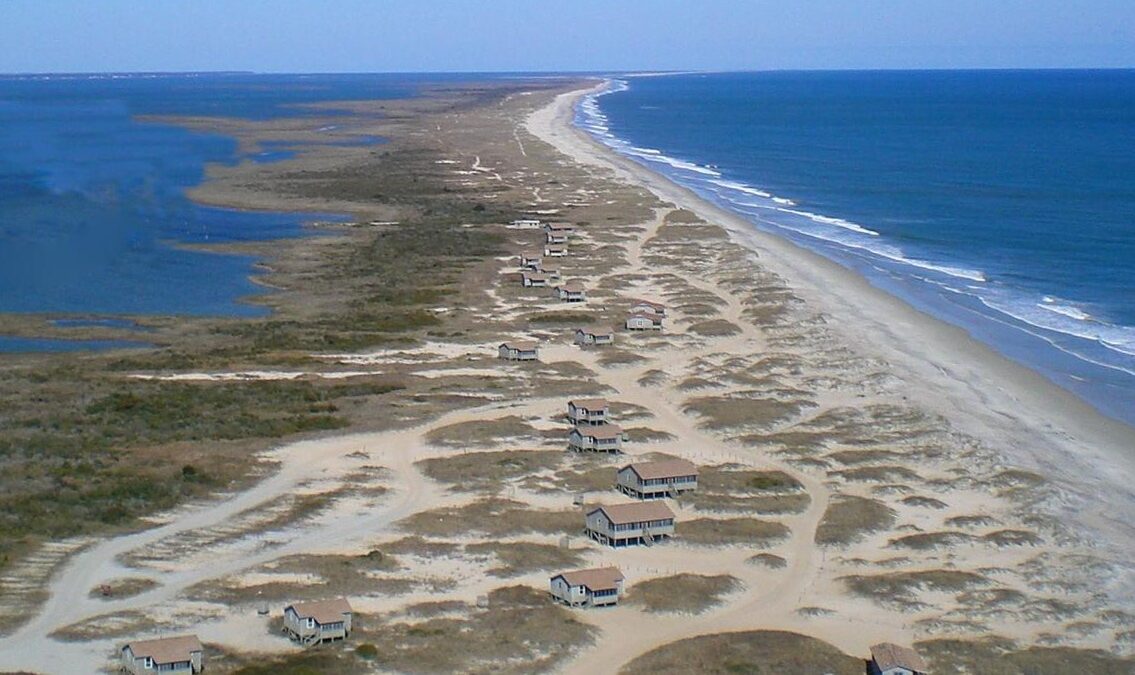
(889, 655)
(648, 303)
(595, 330)
(654, 318)
(571, 287)
(530, 255)
(589, 403)
(603, 432)
(668, 468)
(535, 275)
(166, 650)
(521, 346)
(635, 512)
(556, 247)
(323, 611)
(597, 579)
(559, 227)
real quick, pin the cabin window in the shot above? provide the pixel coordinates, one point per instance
(311, 623)
(147, 663)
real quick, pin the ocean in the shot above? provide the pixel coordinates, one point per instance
(1000, 201)
(94, 219)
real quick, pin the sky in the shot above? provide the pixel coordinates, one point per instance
(568, 35)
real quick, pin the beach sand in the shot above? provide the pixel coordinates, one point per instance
(867, 473)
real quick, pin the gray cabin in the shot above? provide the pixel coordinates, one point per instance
(648, 307)
(630, 524)
(530, 261)
(311, 623)
(596, 438)
(571, 291)
(588, 411)
(534, 279)
(182, 654)
(555, 251)
(891, 659)
(650, 480)
(597, 337)
(556, 238)
(519, 351)
(597, 587)
(644, 321)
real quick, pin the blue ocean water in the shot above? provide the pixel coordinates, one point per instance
(1001, 201)
(92, 201)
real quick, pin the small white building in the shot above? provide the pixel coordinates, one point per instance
(630, 524)
(644, 322)
(596, 438)
(648, 307)
(564, 229)
(525, 224)
(534, 279)
(183, 654)
(891, 659)
(596, 587)
(651, 480)
(555, 251)
(519, 351)
(571, 291)
(588, 411)
(530, 261)
(310, 623)
(587, 337)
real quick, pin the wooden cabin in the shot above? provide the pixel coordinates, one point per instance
(183, 654)
(891, 659)
(565, 229)
(530, 261)
(555, 238)
(648, 307)
(555, 251)
(588, 411)
(571, 291)
(311, 623)
(594, 337)
(651, 480)
(519, 351)
(630, 524)
(643, 321)
(534, 279)
(598, 587)
(596, 438)
(525, 224)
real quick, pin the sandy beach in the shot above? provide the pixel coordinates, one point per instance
(867, 473)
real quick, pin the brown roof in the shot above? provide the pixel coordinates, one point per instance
(589, 403)
(530, 255)
(888, 655)
(323, 611)
(571, 286)
(535, 275)
(663, 469)
(559, 226)
(555, 248)
(597, 579)
(166, 650)
(597, 330)
(603, 431)
(521, 346)
(651, 303)
(634, 512)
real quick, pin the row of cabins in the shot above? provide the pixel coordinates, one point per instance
(307, 623)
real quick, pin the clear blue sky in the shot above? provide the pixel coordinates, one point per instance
(511, 35)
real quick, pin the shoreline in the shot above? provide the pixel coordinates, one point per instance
(979, 391)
